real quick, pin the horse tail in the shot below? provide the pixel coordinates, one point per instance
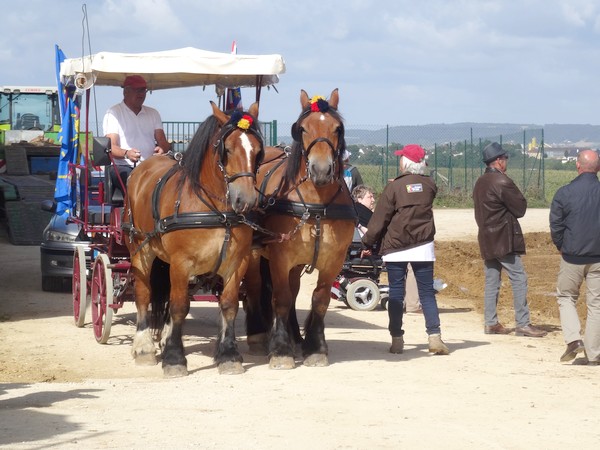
(160, 289)
(266, 293)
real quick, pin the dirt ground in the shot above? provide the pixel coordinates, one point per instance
(59, 388)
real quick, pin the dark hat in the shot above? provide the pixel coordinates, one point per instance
(134, 81)
(413, 152)
(492, 151)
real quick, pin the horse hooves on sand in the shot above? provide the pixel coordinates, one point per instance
(316, 360)
(175, 371)
(146, 359)
(282, 362)
(231, 368)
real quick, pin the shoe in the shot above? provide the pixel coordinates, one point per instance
(437, 346)
(530, 331)
(397, 345)
(593, 363)
(496, 329)
(572, 349)
(416, 311)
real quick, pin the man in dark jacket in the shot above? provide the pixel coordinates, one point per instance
(575, 230)
(498, 204)
(403, 223)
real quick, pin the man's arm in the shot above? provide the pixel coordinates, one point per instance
(557, 220)
(162, 145)
(121, 153)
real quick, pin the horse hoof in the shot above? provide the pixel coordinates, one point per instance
(316, 360)
(146, 359)
(231, 368)
(175, 371)
(281, 362)
(258, 344)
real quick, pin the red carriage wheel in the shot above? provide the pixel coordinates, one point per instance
(102, 298)
(79, 286)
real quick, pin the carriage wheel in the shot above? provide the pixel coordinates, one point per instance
(363, 295)
(102, 296)
(79, 286)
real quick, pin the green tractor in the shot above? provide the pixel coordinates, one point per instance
(29, 153)
(29, 115)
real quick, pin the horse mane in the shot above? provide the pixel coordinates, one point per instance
(201, 143)
(295, 158)
(196, 151)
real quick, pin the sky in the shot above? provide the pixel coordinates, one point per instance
(401, 62)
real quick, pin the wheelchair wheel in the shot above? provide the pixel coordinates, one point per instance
(363, 295)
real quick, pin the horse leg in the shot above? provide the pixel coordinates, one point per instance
(143, 349)
(227, 355)
(259, 313)
(315, 348)
(281, 347)
(295, 274)
(174, 362)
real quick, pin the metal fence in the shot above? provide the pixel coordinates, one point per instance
(179, 134)
(453, 156)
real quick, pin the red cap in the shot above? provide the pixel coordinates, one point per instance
(413, 152)
(134, 81)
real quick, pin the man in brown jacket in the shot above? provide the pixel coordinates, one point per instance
(498, 204)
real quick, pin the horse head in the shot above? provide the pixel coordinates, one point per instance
(319, 137)
(240, 150)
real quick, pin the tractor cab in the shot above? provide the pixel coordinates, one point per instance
(28, 112)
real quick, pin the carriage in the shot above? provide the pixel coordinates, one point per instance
(191, 215)
(102, 264)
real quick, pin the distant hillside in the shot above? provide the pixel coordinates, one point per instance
(429, 135)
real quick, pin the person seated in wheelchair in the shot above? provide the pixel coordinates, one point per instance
(135, 130)
(364, 203)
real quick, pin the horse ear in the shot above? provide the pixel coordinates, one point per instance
(254, 110)
(220, 115)
(303, 98)
(334, 99)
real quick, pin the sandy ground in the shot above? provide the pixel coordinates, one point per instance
(60, 389)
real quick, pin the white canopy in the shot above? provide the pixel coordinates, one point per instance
(182, 67)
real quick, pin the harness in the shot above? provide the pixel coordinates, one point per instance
(190, 220)
(275, 204)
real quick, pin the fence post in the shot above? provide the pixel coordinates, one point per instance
(524, 160)
(274, 132)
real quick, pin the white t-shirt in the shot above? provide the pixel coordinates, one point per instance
(135, 131)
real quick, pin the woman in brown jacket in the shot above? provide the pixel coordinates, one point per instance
(403, 223)
(498, 204)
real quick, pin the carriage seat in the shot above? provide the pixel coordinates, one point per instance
(113, 196)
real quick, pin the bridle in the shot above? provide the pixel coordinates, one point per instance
(219, 146)
(297, 136)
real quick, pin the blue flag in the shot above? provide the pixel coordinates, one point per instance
(64, 192)
(60, 57)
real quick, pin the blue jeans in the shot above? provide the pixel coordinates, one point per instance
(518, 280)
(423, 271)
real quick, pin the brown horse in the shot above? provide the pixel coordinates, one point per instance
(309, 217)
(186, 218)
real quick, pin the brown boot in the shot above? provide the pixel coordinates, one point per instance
(397, 345)
(530, 331)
